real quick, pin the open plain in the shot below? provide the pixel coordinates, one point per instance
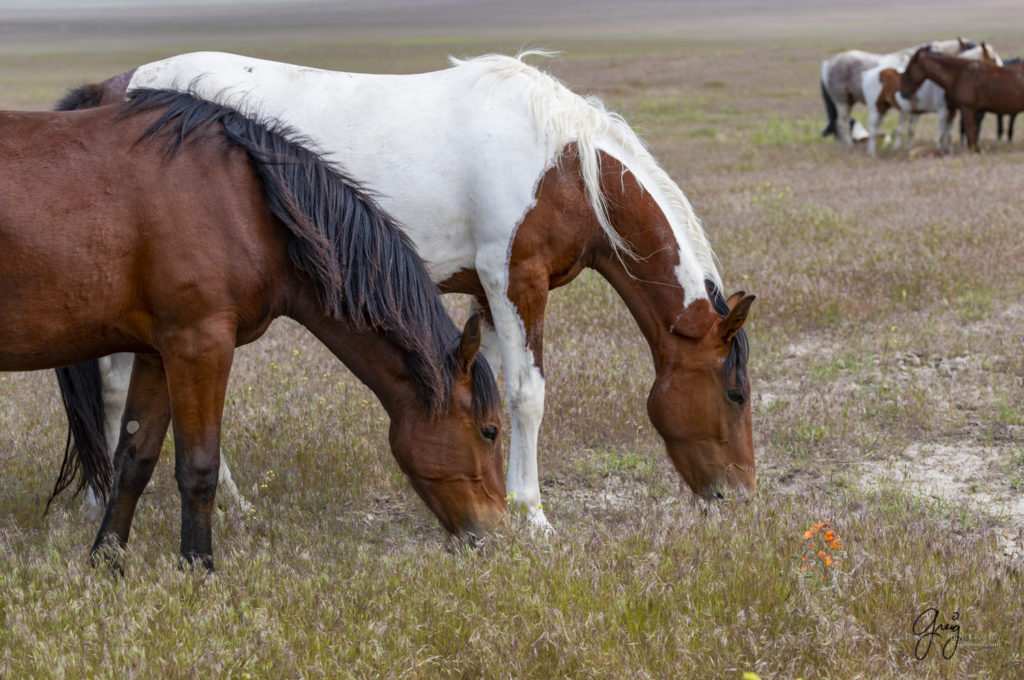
(887, 363)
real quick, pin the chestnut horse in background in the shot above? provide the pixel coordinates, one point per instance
(178, 229)
(971, 87)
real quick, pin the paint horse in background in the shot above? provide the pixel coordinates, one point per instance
(882, 90)
(178, 229)
(843, 76)
(509, 184)
(971, 86)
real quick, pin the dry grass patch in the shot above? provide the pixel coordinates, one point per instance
(886, 345)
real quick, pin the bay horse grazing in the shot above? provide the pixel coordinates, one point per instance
(882, 89)
(843, 78)
(971, 86)
(178, 229)
(509, 184)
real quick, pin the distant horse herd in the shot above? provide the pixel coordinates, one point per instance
(945, 77)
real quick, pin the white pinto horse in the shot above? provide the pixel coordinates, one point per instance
(509, 184)
(881, 87)
(843, 78)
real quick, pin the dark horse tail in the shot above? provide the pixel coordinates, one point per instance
(830, 108)
(85, 452)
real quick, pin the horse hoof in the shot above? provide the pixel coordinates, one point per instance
(109, 556)
(538, 523)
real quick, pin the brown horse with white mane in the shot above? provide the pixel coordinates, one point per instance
(178, 229)
(971, 87)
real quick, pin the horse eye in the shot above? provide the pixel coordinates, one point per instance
(736, 396)
(490, 432)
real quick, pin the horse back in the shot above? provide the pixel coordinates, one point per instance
(106, 240)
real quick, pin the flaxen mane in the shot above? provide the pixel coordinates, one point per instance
(565, 117)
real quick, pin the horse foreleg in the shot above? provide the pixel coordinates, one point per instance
(197, 381)
(944, 139)
(968, 117)
(142, 430)
(911, 125)
(874, 123)
(115, 372)
(490, 344)
(843, 123)
(518, 320)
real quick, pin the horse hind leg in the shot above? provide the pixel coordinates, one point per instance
(142, 432)
(490, 345)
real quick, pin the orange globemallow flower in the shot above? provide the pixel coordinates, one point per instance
(821, 554)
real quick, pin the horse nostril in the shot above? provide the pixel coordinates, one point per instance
(719, 495)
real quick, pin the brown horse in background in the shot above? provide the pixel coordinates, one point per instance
(972, 87)
(178, 229)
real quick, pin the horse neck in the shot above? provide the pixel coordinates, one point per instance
(651, 280)
(940, 68)
(373, 358)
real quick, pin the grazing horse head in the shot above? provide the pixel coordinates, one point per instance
(701, 406)
(453, 458)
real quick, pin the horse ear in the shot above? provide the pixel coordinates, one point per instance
(734, 298)
(731, 325)
(963, 45)
(469, 346)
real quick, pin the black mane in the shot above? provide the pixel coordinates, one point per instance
(83, 97)
(736, 362)
(366, 270)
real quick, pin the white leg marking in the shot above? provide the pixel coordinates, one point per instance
(874, 122)
(843, 123)
(524, 391)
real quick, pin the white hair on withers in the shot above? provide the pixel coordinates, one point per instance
(565, 117)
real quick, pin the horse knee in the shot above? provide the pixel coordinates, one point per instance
(526, 397)
(198, 475)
